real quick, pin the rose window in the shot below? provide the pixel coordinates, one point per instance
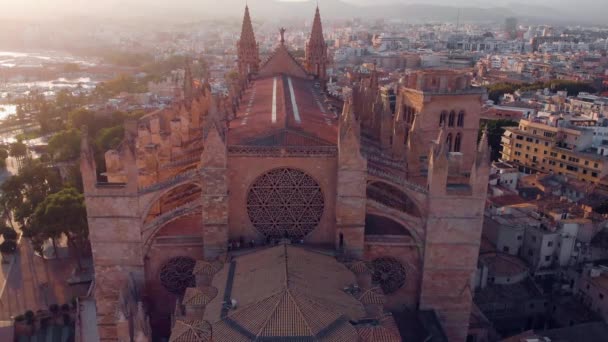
(389, 274)
(285, 203)
(176, 275)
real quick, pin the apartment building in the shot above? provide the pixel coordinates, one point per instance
(538, 147)
(593, 290)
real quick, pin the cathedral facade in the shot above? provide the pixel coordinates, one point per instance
(395, 190)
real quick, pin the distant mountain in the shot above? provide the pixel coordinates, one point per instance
(411, 10)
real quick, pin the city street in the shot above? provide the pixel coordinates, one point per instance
(35, 283)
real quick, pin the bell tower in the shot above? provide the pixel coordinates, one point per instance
(247, 48)
(316, 50)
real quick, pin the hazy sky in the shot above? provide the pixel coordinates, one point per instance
(37, 8)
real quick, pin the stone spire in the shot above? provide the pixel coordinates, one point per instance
(316, 50)
(247, 47)
(373, 80)
(188, 82)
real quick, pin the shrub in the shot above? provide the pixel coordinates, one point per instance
(9, 234)
(8, 247)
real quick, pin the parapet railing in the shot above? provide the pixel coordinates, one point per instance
(182, 162)
(171, 214)
(375, 171)
(169, 182)
(279, 151)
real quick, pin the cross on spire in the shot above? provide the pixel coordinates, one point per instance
(282, 31)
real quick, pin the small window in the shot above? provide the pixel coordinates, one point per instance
(550, 243)
(601, 296)
(451, 119)
(548, 258)
(461, 119)
(442, 118)
(505, 249)
(519, 237)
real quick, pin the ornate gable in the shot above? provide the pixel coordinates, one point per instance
(281, 61)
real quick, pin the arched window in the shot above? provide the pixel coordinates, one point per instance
(448, 142)
(461, 119)
(442, 118)
(452, 119)
(457, 142)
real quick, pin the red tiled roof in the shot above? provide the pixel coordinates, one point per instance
(386, 331)
(186, 330)
(506, 200)
(282, 292)
(199, 295)
(268, 107)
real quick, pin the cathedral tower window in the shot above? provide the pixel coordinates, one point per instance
(442, 118)
(448, 142)
(452, 119)
(457, 142)
(461, 119)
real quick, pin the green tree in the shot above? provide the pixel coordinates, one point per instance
(63, 212)
(22, 193)
(80, 117)
(109, 138)
(18, 150)
(496, 129)
(3, 156)
(65, 145)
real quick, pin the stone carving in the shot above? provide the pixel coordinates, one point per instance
(176, 275)
(285, 203)
(388, 273)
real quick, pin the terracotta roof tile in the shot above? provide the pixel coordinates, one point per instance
(359, 267)
(385, 331)
(280, 291)
(199, 295)
(372, 296)
(186, 330)
(207, 268)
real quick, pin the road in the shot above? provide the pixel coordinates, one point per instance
(35, 283)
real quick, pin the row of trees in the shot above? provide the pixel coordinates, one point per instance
(45, 206)
(496, 91)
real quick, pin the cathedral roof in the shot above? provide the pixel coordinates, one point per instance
(191, 330)
(281, 61)
(285, 291)
(284, 109)
(383, 331)
(199, 295)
